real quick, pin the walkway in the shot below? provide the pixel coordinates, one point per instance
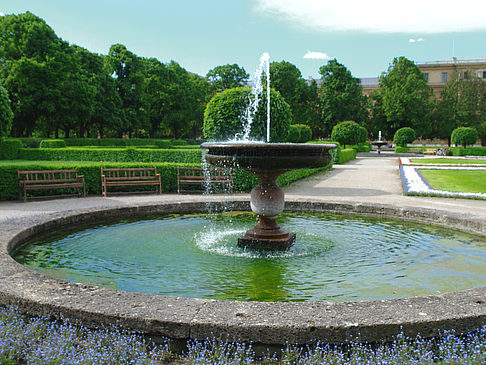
(366, 179)
(373, 180)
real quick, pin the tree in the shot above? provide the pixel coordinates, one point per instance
(287, 79)
(464, 136)
(27, 49)
(227, 77)
(406, 97)
(185, 109)
(127, 70)
(156, 98)
(340, 95)
(463, 103)
(6, 114)
(224, 116)
(347, 133)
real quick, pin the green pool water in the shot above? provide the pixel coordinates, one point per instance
(334, 258)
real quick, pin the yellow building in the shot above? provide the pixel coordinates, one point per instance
(437, 73)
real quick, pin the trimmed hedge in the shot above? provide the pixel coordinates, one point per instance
(345, 155)
(190, 155)
(52, 143)
(120, 142)
(468, 151)
(243, 180)
(90, 170)
(10, 148)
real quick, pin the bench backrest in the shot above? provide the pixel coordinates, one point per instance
(45, 176)
(137, 173)
(198, 174)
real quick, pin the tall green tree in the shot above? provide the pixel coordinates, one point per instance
(27, 49)
(227, 77)
(463, 103)
(6, 115)
(406, 97)
(287, 79)
(340, 95)
(156, 97)
(127, 70)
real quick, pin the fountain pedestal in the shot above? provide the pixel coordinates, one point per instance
(267, 202)
(267, 161)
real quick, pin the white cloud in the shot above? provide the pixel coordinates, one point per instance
(316, 55)
(380, 16)
(411, 40)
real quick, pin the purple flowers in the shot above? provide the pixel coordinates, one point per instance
(34, 340)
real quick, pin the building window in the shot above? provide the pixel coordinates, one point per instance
(444, 77)
(484, 75)
(426, 76)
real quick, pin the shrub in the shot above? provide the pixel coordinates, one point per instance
(243, 180)
(112, 154)
(9, 148)
(346, 133)
(345, 155)
(224, 116)
(468, 151)
(464, 136)
(118, 142)
(294, 134)
(403, 136)
(363, 135)
(52, 143)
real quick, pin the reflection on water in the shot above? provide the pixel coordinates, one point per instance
(335, 257)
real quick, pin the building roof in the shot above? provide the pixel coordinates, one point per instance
(370, 81)
(454, 61)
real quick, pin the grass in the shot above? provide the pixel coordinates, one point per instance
(463, 181)
(35, 340)
(452, 161)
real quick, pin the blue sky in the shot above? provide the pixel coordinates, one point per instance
(363, 35)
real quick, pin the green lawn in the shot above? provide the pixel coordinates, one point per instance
(462, 181)
(457, 161)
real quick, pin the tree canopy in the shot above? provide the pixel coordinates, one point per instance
(227, 77)
(405, 97)
(6, 114)
(341, 97)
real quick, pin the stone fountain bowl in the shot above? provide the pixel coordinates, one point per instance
(268, 156)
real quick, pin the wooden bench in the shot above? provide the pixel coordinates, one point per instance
(136, 176)
(430, 151)
(49, 179)
(196, 176)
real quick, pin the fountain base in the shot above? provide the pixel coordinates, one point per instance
(267, 235)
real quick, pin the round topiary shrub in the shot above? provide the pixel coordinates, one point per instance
(224, 116)
(346, 133)
(403, 136)
(363, 134)
(299, 133)
(52, 143)
(305, 133)
(464, 136)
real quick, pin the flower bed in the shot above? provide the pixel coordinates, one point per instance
(414, 183)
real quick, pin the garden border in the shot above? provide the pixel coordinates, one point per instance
(257, 322)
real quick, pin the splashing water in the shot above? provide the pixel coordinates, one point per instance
(254, 99)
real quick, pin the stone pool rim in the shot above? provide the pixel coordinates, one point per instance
(267, 323)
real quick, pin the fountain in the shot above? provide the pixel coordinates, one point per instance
(379, 143)
(267, 161)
